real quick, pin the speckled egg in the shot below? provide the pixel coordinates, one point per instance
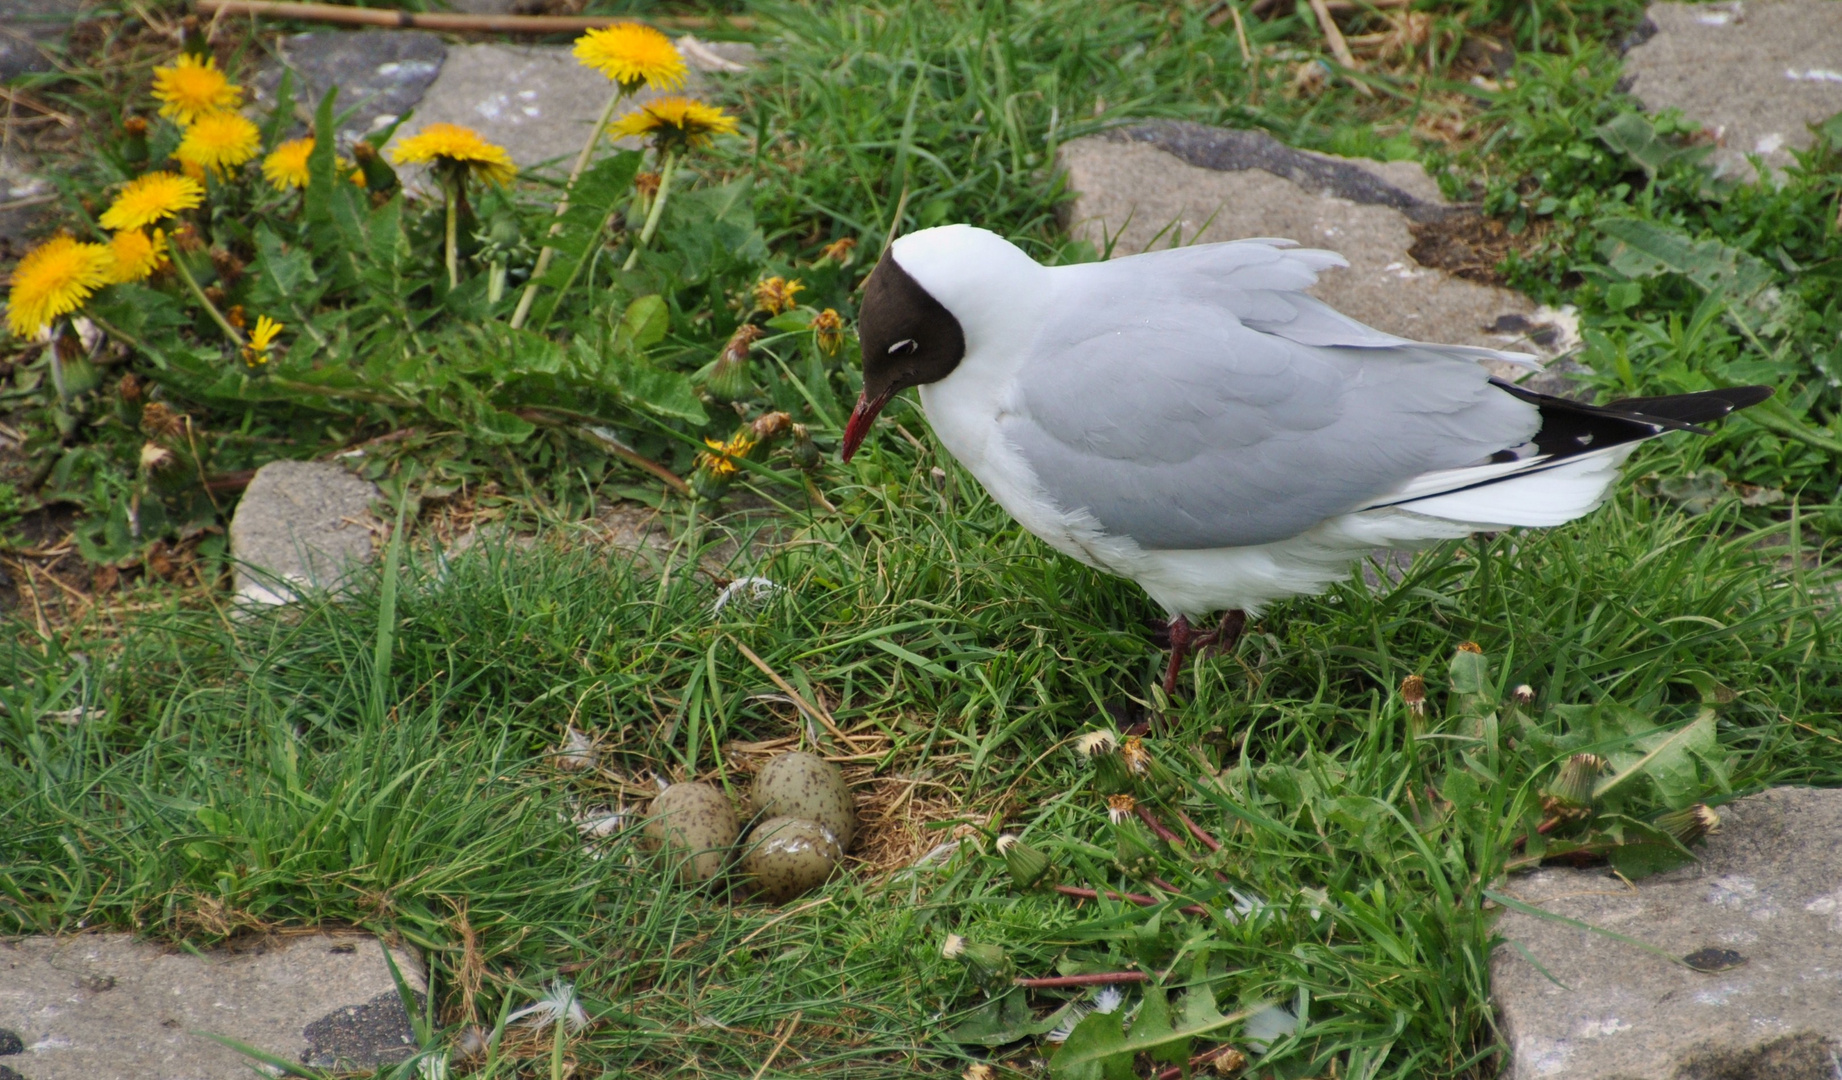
(694, 820)
(787, 856)
(806, 786)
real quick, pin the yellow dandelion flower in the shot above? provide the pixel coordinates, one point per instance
(286, 165)
(192, 88)
(720, 460)
(52, 280)
(456, 147)
(632, 55)
(136, 255)
(828, 331)
(219, 141)
(151, 198)
(775, 295)
(261, 340)
(675, 122)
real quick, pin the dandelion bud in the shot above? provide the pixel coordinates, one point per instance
(1145, 769)
(828, 331)
(989, 963)
(1573, 788)
(155, 457)
(1413, 692)
(134, 140)
(228, 266)
(804, 452)
(1111, 776)
(236, 317)
(1026, 864)
(1524, 694)
(1690, 823)
(729, 379)
(159, 421)
(379, 176)
(129, 388)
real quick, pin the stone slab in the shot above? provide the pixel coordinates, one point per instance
(1768, 886)
(28, 29)
(308, 522)
(104, 1005)
(1167, 183)
(382, 74)
(1755, 73)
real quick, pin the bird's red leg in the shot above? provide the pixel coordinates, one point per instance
(1226, 636)
(1180, 638)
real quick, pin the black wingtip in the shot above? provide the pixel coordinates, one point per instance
(1696, 408)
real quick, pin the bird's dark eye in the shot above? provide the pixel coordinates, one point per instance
(903, 347)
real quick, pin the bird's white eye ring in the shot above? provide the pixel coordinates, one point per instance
(903, 347)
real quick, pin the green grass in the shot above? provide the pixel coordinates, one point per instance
(235, 774)
(382, 760)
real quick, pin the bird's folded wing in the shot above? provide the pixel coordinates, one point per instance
(1175, 423)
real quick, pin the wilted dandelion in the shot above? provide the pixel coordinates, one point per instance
(1096, 742)
(839, 251)
(828, 331)
(150, 199)
(1108, 999)
(155, 457)
(191, 88)
(577, 752)
(753, 589)
(53, 280)
(776, 294)
(1413, 692)
(219, 142)
(1120, 807)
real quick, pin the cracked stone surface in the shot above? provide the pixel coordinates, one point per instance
(104, 1005)
(380, 73)
(537, 101)
(1160, 183)
(305, 522)
(1768, 887)
(1756, 73)
(28, 28)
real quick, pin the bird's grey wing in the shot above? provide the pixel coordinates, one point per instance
(1262, 282)
(1184, 428)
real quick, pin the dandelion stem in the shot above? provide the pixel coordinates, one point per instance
(562, 206)
(658, 209)
(185, 275)
(1104, 978)
(453, 228)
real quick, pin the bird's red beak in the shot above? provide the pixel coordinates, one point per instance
(861, 419)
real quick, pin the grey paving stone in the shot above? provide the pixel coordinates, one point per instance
(307, 522)
(28, 28)
(382, 73)
(1756, 73)
(1165, 183)
(1768, 887)
(537, 101)
(104, 1005)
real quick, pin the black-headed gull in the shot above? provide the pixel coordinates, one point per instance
(1192, 420)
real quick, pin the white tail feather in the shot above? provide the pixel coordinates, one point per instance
(1550, 496)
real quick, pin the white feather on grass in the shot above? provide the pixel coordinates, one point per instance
(559, 1003)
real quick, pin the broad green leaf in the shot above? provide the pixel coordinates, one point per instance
(1637, 248)
(1470, 673)
(1633, 134)
(789, 321)
(645, 323)
(1095, 1050)
(1673, 761)
(1005, 1019)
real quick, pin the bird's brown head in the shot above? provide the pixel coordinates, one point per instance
(909, 338)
